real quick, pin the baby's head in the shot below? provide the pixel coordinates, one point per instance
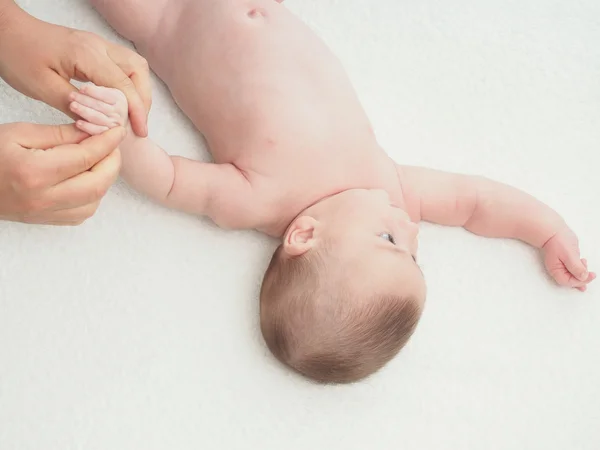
(343, 293)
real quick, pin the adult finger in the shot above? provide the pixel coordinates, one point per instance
(73, 216)
(87, 187)
(137, 69)
(54, 90)
(43, 137)
(68, 161)
(142, 83)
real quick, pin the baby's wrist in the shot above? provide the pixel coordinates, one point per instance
(558, 229)
(130, 136)
(537, 230)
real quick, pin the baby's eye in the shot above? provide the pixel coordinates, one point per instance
(388, 237)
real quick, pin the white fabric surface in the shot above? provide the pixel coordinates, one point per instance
(139, 329)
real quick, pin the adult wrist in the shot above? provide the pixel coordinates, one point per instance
(8, 12)
(12, 21)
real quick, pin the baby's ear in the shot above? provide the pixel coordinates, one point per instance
(300, 237)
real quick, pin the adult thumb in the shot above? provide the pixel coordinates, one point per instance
(43, 137)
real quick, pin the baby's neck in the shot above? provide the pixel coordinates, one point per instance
(385, 178)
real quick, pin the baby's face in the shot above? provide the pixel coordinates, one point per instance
(369, 220)
(364, 222)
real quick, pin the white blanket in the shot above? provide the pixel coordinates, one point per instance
(139, 329)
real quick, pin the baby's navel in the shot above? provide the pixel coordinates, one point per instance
(257, 13)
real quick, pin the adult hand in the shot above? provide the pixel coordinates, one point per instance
(39, 59)
(55, 174)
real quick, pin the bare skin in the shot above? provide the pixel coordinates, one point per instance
(55, 174)
(39, 59)
(294, 153)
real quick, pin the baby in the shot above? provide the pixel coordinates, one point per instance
(296, 158)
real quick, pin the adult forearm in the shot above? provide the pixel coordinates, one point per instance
(5, 5)
(8, 11)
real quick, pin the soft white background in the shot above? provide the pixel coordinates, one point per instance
(139, 329)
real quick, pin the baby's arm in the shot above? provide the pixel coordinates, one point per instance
(493, 209)
(219, 191)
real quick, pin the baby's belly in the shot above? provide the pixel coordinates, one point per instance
(252, 77)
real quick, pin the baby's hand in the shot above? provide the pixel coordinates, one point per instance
(562, 259)
(100, 108)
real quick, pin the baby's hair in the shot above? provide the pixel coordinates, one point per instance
(314, 324)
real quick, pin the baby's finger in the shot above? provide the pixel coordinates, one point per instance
(562, 276)
(90, 128)
(93, 116)
(582, 285)
(106, 95)
(96, 104)
(576, 267)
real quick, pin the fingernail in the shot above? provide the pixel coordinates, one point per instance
(584, 275)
